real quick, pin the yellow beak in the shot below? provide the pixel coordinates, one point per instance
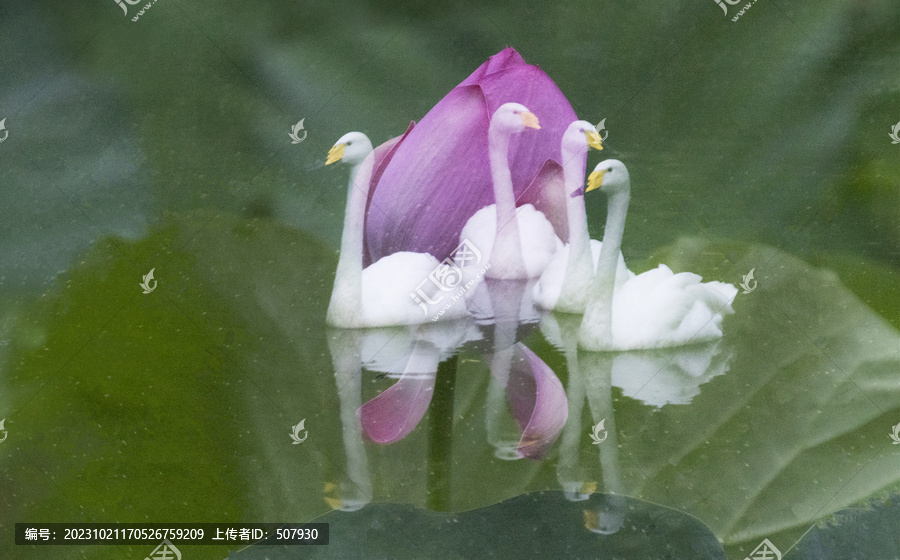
(595, 180)
(594, 140)
(530, 120)
(335, 153)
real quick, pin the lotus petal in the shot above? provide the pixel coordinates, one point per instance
(439, 175)
(538, 402)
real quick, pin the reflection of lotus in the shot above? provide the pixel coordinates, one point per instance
(536, 397)
(396, 412)
(661, 377)
(412, 356)
(445, 158)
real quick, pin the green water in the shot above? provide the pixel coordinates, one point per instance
(758, 144)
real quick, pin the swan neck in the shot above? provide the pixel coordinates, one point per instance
(507, 250)
(579, 238)
(613, 232)
(504, 197)
(600, 305)
(347, 291)
(573, 173)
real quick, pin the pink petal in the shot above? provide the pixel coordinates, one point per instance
(439, 174)
(382, 154)
(538, 402)
(396, 412)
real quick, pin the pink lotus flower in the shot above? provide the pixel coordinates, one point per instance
(438, 175)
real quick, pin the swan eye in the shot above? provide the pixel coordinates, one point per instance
(609, 170)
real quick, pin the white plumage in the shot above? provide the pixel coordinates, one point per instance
(517, 242)
(566, 282)
(537, 242)
(383, 293)
(659, 309)
(655, 309)
(548, 289)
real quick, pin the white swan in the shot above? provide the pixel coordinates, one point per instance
(655, 309)
(522, 242)
(384, 293)
(566, 282)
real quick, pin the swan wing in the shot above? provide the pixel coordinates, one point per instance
(548, 289)
(659, 308)
(537, 238)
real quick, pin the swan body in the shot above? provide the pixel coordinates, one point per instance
(660, 309)
(565, 283)
(537, 243)
(655, 309)
(383, 293)
(518, 242)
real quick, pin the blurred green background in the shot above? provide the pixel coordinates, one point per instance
(163, 143)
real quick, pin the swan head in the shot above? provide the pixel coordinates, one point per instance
(513, 118)
(580, 136)
(351, 148)
(610, 176)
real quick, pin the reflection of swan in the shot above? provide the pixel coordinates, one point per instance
(380, 294)
(589, 378)
(562, 332)
(395, 350)
(517, 242)
(355, 489)
(534, 392)
(609, 517)
(537, 400)
(672, 376)
(412, 357)
(596, 370)
(566, 282)
(655, 309)
(498, 301)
